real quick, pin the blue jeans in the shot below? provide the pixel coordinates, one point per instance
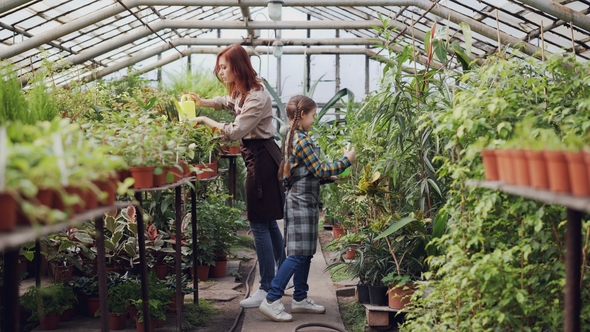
(296, 266)
(270, 249)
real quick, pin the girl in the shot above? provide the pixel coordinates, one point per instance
(251, 105)
(301, 172)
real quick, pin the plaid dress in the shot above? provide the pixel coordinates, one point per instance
(303, 190)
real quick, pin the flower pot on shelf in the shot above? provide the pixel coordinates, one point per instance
(490, 164)
(49, 321)
(362, 293)
(378, 295)
(337, 231)
(521, 167)
(537, 169)
(9, 211)
(159, 179)
(77, 191)
(579, 181)
(108, 186)
(117, 321)
(143, 176)
(90, 198)
(399, 296)
(559, 180)
(505, 166)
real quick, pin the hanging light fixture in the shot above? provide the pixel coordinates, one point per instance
(275, 8)
(278, 51)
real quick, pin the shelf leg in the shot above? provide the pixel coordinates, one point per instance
(102, 274)
(142, 264)
(195, 244)
(573, 261)
(10, 296)
(178, 257)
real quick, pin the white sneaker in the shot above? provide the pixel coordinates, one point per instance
(307, 305)
(275, 311)
(254, 300)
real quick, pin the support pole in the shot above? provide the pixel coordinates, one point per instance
(103, 294)
(10, 288)
(142, 263)
(37, 259)
(195, 244)
(178, 257)
(573, 261)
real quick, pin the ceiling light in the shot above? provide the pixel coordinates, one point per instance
(275, 9)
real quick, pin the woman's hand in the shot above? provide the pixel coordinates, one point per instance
(195, 97)
(198, 119)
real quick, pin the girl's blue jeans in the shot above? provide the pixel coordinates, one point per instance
(296, 266)
(270, 249)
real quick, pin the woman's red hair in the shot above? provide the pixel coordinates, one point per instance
(239, 62)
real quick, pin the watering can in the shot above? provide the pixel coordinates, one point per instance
(186, 107)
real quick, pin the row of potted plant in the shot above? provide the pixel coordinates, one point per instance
(49, 171)
(540, 159)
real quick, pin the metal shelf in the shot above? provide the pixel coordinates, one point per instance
(572, 202)
(23, 234)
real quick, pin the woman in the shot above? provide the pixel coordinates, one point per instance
(253, 125)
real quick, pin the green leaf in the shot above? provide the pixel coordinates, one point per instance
(395, 227)
(466, 36)
(110, 223)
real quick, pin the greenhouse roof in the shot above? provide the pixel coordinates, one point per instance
(103, 36)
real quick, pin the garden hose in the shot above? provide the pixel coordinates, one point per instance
(336, 328)
(241, 312)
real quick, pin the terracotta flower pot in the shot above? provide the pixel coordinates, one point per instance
(337, 231)
(160, 179)
(177, 174)
(161, 271)
(45, 197)
(141, 328)
(77, 191)
(202, 272)
(62, 272)
(49, 321)
(521, 167)
(537, 169)
(505, 166)
(108, 186)
(143, 176)
(172, 305)
(117, 321)
(490, 164)
(350, 254)
(213, 166)
(93, 304)
(400, 297)
(90, 198)
(579, 181)
(218, 270)
(559, 180)
(132, 314)
(9, 211)
(66, 315)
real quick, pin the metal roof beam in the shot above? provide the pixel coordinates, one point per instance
(215, 50)
(197, 24)
(562, 12)
(117, 8)
(7, 5)
(247, 18)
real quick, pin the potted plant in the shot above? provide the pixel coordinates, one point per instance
(171, 286)
(86, 288)
(157, 313)
(44, 304)
(119, 300)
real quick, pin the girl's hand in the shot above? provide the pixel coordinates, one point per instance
(350, 154)
(198, 119)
